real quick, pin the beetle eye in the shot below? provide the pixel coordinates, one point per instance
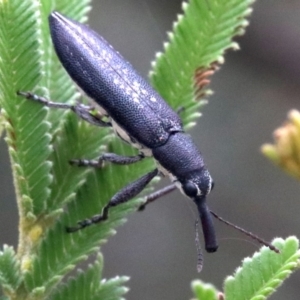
(190, 189)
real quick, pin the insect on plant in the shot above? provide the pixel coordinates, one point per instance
(138, 115)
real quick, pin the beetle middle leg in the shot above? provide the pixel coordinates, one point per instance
(124, 195)
(84, 112)
(110, 157)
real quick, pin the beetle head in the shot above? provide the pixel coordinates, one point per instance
(197, 183)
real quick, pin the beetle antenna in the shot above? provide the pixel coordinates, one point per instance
(248, 233)
(198, 248)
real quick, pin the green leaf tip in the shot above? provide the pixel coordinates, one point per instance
(10, 276)
(195, 50)
(259, 276)
(204, 291)
(88, 285)
(38, 293)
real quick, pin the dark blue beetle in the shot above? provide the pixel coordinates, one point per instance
(138, 115)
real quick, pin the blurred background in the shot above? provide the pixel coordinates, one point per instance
(254, 90)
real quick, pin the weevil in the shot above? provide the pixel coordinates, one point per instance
(137, 114)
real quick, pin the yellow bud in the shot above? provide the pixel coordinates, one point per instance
(26, 264)
(283, 140)
(294, 116)
(35, 233)
(286, 150)
(271, 152)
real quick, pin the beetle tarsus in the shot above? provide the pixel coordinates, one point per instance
(86, 163)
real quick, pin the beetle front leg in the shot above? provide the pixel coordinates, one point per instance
(110, 157)
(84, 112)
(124, 195)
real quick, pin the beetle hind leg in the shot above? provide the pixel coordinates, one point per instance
(84, 112)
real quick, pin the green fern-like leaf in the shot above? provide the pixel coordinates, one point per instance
(260, 275)
(195, 49)
(26, 127)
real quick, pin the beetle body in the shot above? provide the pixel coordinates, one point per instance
(138, 114)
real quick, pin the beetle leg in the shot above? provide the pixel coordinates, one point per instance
(84, 112)
(156, 195)
(110, 157)
(124, 195)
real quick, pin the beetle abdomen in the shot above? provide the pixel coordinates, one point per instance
(108, 79)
